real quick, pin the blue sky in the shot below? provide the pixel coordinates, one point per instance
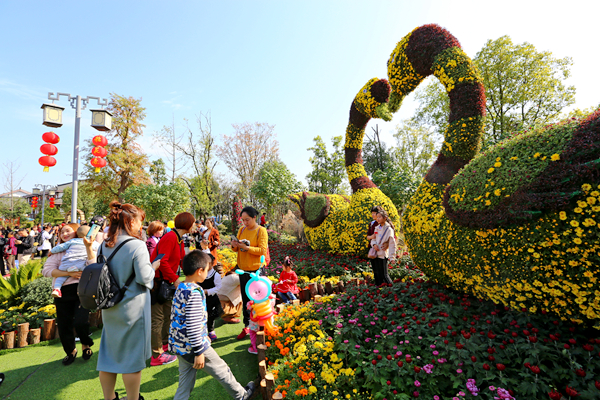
(296, 65)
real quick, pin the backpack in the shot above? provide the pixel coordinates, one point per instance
(98, 288)
(39, 238)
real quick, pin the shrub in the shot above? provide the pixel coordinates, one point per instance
(227, 223)
(38, 293)
(222, 229)
(9, 288)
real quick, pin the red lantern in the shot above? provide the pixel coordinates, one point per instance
(99, 140)
(51, 202)
(47, 162)
(48, 149)
(99, 151)
(34, 202)
(98, 163)
(50, 137)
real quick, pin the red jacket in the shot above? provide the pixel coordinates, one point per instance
(172, 247)
(289, 285)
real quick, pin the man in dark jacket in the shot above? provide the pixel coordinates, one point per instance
(25, 247)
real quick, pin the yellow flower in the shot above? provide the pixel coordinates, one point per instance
(536, 155)
(312, 389)
(562, 215)
(574, 223)
(490, 170)
(577, 240)
(498, 164)
(555, 157)
(497, 192)
(586, 187)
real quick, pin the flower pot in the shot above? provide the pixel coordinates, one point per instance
(320, 289)
(9, 340)
(49, 329)
(35, 335)
(23, 333)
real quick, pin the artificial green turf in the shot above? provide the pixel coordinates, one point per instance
(37, 372)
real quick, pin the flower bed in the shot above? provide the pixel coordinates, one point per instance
(419, 339)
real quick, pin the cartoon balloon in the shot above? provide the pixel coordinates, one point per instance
(258, 290)
(171, 224)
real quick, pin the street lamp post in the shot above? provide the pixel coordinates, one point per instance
(78, 103)
(51, 192)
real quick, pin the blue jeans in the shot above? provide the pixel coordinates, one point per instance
(287, 297)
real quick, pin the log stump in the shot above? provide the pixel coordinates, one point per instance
(260, 337)
(277, 396)
(35, 335)
(9, 340)
(312, 287)
(23, 333)
(317, 298)
(320, 289)
(270, 384)
(263, 388)
(262, 368)
(49, 329)
(328, 287)
(262, 352)
(340, 287)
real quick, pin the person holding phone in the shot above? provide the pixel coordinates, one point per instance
(75, 254)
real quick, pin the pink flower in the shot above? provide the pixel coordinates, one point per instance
(417, 383)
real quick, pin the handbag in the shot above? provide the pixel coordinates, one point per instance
(165, 291)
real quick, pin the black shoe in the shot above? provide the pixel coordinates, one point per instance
(1, 378)
(87, 354)
(68, 360)
(116, 396)
(249, 390)
(141, 397)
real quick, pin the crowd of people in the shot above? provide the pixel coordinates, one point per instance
(168, 314)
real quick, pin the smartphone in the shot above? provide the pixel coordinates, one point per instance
(93, 232)
(159, 257)
(234, 239)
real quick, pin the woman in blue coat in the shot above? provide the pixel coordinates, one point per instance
(125, 343)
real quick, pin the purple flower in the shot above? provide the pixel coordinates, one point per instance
(432, 346)
(459, 371)
(428, 368)
(357, 346)
(435, 352)
(346, 341)
(375, 351)
(417, 383)
(339, 325)
(436, 397)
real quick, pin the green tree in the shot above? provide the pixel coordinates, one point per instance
(158, 173)
(376, 154)
(50, 214)
(160, 202)
(416, 149)
(274, 183)
(20, 207)
(88, 199)
(396, 183)
(126, 161)
(328, 170)
(524, 88)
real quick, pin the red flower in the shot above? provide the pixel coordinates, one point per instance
(400, 364)
(473, 358)
(486, 367)
(417, 369)
(535, 369)
(501, 367)
(491, 335)
(597, 384)
(533, 339)
(459, 345)
(554, 395)
(571, 392)
(580, 372)
(588, 347)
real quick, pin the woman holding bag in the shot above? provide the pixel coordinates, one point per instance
(125, 342)
(171, 245)
(252, 243)
(384, 243)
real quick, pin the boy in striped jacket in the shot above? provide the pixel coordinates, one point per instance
(188, 336)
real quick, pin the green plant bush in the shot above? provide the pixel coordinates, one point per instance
(227, 223)
(37, 293)
(9, 288)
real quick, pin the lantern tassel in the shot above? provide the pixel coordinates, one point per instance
(97, 170)
(46, 169)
